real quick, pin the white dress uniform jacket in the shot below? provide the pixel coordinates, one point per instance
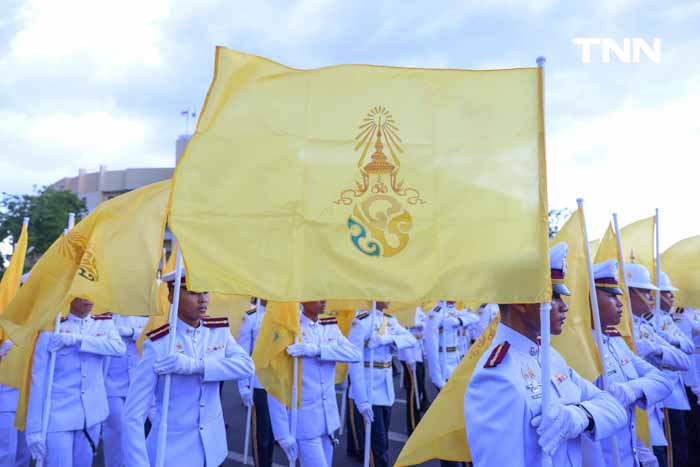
(196, 432)
(667, 331)
(415, 353)
(382, 378)
(626, 367)
(247, 335)
(442, 343)
(688, 321)
(318, 414)
(505, 393)
(78, 396)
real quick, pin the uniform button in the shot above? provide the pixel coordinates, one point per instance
(201, 404)
(83, 391)
(201, 428)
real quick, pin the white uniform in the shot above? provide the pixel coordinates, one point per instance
(317, 418)
(469, 328)
(13, 447)
(415, 353)
(626, 367)
(118, 376)
(247, 334)
(688, 321)
(442, 342)
(505, 393)
(196, 432)
(78, 396)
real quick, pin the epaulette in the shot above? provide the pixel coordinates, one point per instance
(611, 331)
(63, 320)
(157, 333)
(329, 320)
(497, 355)
(388, 315)
(436, 309)
(363, 315)
(215, 322)
(680, 310)
(250, 312)
(103, 316)
(648, 315)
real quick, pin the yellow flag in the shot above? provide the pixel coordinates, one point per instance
(404, 312)
(593, 245)
(681, 262)
(441, 433)
(16, 372)
(370, 181)
(273, 366)
(13, 274)
(638, 244)
(576, 341)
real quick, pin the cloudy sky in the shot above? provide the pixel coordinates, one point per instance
(85, 82)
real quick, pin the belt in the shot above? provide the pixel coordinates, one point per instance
(382, 365)
(448, 349)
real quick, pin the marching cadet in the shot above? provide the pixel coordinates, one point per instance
(414, 373)
(119, 373)
(442, 341)
(205, 354)
(252, 393)
(322, 346)
(633, 381)
(78, 395)
(503, 401)
(657, 351)
(383, 334)
(13, 448)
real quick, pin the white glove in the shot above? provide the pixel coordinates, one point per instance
(624, 393)
(648, 349)
(562, 422)
(696, 391)
(670, 338)
(60, 340)
(246, 396)
(304, 349)
(289, 446)
(366, 411)
(451, 322)
(378, 341)
(36, 446)
(440, 384)
(179, 364)
(125, 332)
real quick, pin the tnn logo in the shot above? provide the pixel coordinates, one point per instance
(629, 52)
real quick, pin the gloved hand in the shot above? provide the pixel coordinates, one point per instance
(366, 411)
(451, 322)
(624, 393)
(648, 349)
(126, 332)
(179, 364)
(59, 340)
(562, 422)
(246, 396)
(289, 446)
(696, 391)
(304, 349)
(378, 341)
(440, 384)
(36, 446)
(670, 338)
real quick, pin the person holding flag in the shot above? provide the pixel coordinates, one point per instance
(414, 373)
(503, 401)
(634, 382)
(78, 398)
(205, 354)
(322, 345)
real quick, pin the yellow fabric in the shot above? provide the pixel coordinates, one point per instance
(9, 285)
(16, 372)
(301, 152)
(273, 366)
(594, 245)
(681, 262)
(156, 321)
(638, 244)
(576, 343)
(441, 433)
(404, 312)
(335, 305)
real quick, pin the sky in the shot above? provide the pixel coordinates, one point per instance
(86, 83)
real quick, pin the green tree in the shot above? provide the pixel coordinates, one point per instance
(47, 210)
(557, 217)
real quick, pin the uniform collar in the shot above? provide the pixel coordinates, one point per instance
(305, 320)
(516, 340)
(186, 328)
(72, 317)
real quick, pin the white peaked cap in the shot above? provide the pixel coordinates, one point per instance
(170, 277)
(638, 277)
(605, 275)
(665, 283)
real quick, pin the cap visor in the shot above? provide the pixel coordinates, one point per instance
(560, 289)
(612, 290)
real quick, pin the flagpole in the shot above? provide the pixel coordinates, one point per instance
(163, 429)
(621, 259)
(368, 423)
(343, 406)
(249, 411)
(295, 397)
(443, 352)
(658, 271)
(415, 378)
(598, 330)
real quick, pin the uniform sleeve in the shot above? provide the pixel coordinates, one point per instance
(37, 390)
(279, 418)
(494, 412)
(431, 340)
(245, 334)
(609, 416)
(109, 345)
(655, 386)
(402, 337)
(136, 408)
(356, 336)
(673, 358)
(234, 364)
(686, 344)
(139, 323)
(342, 350)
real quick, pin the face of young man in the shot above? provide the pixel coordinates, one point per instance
(313, 309)
(610, 308)
(193, 306)
(80, 307)
(531, 316)
(667, 299)
(641, 301)
(381, 306)
(557, 315)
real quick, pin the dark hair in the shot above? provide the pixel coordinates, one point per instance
(504, 308)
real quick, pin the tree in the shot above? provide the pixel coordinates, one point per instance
(47, 210)
(557, 217)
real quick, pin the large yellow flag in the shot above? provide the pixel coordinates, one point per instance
(273, 366)
(404, 312)
(410, 184)
(13, 274)
(442, 432)
(638, 244)
(682, 263)
(576, 343)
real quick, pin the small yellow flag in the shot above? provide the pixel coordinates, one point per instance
(13, 274)
(273, 366)
(682, 263)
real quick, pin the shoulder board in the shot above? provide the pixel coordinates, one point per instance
(330, 320)
(159, 332)
(63, 320)
(610, 331)
(388, 315)
(680, 310)
(103, 316)
(497, 355)
(363, 315)
(215, 322)
(436, 309)
(648, 315)
(250, 312)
